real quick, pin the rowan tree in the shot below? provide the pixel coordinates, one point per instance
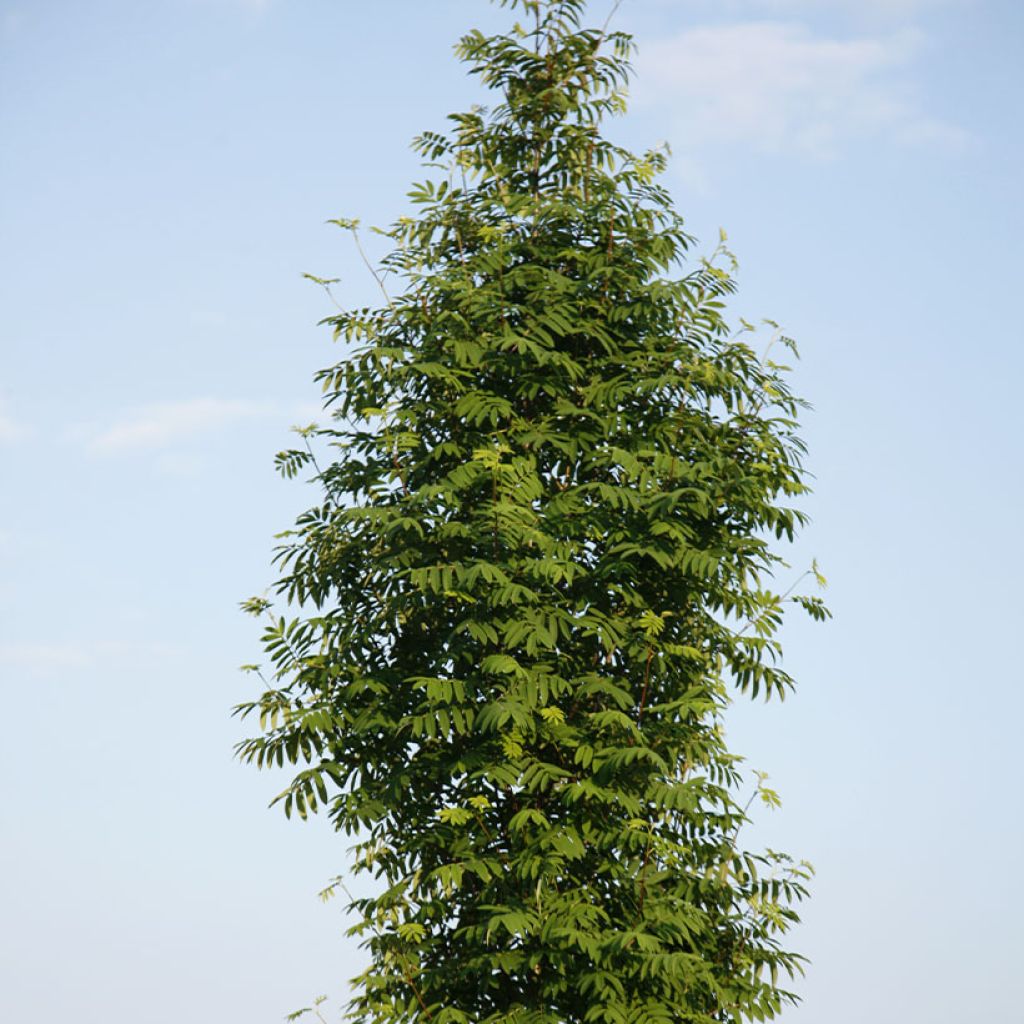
(541, 560)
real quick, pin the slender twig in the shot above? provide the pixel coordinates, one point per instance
(642, 881)
(647, 679)
(399, 469)
(406, 974)
(371, 268)
(607, 21)
(494, 506)
(319, 472)
(757, 618)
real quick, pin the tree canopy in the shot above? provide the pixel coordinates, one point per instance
(551, 495)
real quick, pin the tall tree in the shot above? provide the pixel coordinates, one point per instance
(542, 558)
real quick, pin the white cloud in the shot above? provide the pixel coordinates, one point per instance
(777, 87)
(888, 9)
(43, 658)
(162, 423)
(64, 657)
(888, 5)
(11, 22)
(258, 6)
(10, 429)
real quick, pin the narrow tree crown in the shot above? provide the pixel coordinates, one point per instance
(542, 558)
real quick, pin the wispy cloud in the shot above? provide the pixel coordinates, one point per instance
(162, 423)
(68, 657)
(10, 429)
(888, 9)
(10, 22)
(246, 5)
(778, 87)
(44, 658)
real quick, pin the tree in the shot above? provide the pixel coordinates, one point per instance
(542, 557)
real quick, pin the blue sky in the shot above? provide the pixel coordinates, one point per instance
(166, 173)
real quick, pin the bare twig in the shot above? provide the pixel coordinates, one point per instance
(371, 268)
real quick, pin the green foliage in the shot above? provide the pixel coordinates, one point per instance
(543, 555)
